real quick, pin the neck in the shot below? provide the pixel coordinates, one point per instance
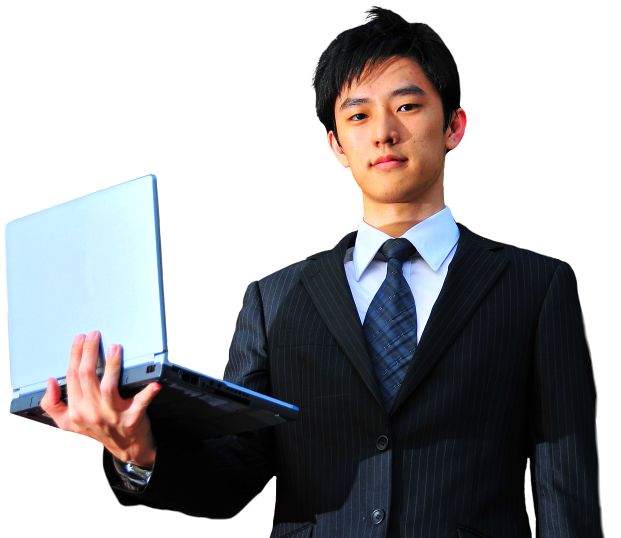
(396, 219)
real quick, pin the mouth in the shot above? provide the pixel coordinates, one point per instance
(386, 162)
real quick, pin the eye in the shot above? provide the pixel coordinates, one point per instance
(408, 107)
(354, 116)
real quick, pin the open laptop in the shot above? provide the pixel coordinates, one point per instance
(95, 263)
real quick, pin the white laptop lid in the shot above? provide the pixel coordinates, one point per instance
(93, 263)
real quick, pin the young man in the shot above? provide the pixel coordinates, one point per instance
(427, 368)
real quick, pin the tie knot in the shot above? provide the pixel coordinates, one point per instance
(400, 248)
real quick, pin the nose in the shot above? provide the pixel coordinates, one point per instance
(385, 131)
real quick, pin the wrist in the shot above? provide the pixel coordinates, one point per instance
(139, 455)
(142, 453)
(143, 459)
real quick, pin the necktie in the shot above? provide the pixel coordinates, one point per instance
(390, 324)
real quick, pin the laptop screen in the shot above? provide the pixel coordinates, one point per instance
(93, 263)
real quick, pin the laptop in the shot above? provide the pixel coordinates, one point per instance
(95, 263)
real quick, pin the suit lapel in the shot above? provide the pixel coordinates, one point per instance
(326, 283)
(472, 272)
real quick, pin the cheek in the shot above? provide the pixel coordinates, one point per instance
(355, 157)
(430, 146)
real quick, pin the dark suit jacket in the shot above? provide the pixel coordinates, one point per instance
(502, 373)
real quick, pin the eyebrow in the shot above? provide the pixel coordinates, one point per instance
(351, 102)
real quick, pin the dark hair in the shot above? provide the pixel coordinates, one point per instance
(384, 36)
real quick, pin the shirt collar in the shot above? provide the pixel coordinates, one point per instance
(434, 238)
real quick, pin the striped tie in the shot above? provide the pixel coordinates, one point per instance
(390, 324)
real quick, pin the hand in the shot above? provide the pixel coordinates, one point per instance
(97, 410)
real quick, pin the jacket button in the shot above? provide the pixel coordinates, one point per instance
(377, 517)
(382, 442)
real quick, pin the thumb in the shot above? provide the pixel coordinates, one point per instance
(52, 394)
(53, 406)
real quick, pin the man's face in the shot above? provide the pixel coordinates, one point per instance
(390, 130)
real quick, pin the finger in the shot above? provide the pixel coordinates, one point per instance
(88, 366)
(110, 380)
(141, 401)
(54, 406)
(74, 388)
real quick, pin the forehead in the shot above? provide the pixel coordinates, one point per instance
(384, 77)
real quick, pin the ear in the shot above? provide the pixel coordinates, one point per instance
(337, 150)
(455, 131)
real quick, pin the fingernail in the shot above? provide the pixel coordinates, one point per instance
(111, 350)
(77, 339)
(91, 335)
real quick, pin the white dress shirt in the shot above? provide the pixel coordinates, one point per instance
(435, 240)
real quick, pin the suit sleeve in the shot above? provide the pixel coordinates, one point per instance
(563, 449)
(214, 478)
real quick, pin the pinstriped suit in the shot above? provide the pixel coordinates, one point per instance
(502, 373)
